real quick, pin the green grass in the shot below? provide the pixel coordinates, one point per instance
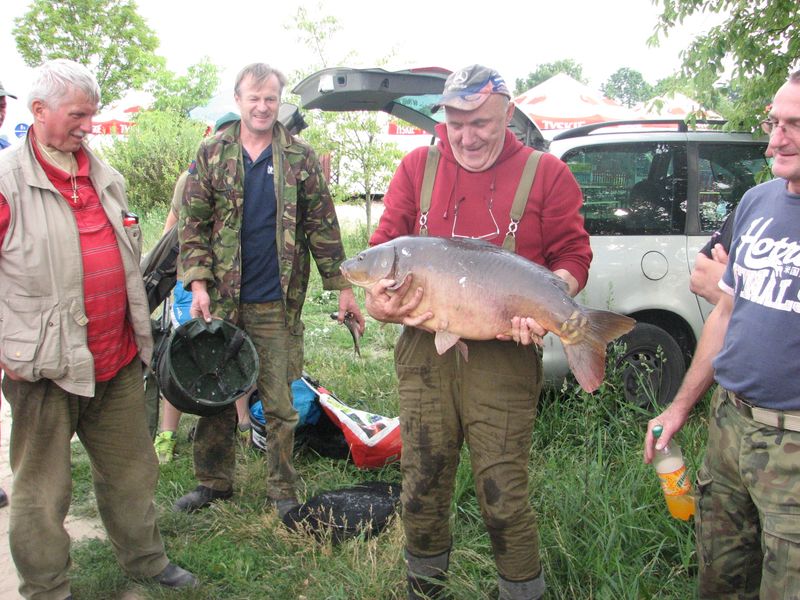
(605, 531)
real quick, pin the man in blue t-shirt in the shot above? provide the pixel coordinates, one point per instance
(748, 530)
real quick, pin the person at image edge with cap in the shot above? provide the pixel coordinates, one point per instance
(489, 401)
(746, 523)
(74, 333)
(3, 145)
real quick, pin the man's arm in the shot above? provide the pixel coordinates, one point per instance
(707, 272)
(697, 380)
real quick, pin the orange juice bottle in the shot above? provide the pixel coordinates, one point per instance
(675, 483)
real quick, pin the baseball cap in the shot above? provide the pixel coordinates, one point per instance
(4, 92)
(229, 117)
(470, 87)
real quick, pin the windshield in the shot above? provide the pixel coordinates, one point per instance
(422, 104)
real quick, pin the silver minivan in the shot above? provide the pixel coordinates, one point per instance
(653, 195)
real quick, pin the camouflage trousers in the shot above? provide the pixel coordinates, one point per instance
(748, 517)
(490, 402)
(280, 354)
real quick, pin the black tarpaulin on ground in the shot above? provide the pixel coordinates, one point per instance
(363, 509)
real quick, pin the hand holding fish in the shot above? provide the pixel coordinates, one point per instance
(348, 304)
(525, 331)
(385, 302)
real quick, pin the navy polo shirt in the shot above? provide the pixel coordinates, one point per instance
(260, 273)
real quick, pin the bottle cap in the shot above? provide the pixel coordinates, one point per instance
(658, 430)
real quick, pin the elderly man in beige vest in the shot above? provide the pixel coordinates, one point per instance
(74, 330)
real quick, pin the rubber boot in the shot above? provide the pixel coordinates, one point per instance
(532, 589)
(426, 576)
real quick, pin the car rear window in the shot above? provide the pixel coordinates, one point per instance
(636, 188)
(725, 173)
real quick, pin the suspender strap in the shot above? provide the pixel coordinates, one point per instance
(521, 199)
(431, 163)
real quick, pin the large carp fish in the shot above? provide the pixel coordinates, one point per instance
(474, 288)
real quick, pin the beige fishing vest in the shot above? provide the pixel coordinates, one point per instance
(42, 317)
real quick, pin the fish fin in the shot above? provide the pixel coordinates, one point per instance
(445, 340)
(608, 325)
(585, 338)
(462, 347)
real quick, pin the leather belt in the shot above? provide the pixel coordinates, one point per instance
(789, 420)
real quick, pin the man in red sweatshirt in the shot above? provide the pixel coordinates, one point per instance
(489, 401)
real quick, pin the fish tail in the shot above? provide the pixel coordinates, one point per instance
(585, 335)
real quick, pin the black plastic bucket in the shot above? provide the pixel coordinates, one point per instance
(205, 367)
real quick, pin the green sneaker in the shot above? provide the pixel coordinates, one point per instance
(243, 431)
(165, 446)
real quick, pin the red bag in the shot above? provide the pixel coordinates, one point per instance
(374, 440)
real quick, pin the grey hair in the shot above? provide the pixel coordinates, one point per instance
(259, 72)
(795, 77)
(54, 79)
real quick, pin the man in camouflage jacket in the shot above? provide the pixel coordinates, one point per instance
(256, 204)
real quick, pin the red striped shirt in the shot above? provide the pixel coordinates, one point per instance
(109, 333)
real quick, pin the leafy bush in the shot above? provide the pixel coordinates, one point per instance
(153, 155)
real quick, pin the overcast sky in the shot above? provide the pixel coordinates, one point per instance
(601, 36)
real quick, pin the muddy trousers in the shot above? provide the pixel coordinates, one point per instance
(111, 426)
(280, 356)
(489, 402)
(748, 520)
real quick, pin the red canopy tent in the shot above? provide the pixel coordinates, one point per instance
(118, 118)
(561, 102)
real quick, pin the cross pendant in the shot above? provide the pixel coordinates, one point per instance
(74, 196)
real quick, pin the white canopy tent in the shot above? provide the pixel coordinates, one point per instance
(673, 106)
(561, 102)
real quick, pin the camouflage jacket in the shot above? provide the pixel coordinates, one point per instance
(211, 213)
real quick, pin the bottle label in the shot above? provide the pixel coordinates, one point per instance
(675, 483)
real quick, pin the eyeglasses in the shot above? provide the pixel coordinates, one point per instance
(790, 128)
(485, 236)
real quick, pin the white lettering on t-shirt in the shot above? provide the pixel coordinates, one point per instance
(766, 268)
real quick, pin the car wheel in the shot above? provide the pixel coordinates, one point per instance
(652, 366)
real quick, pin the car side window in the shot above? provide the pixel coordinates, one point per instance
(636, 188)
(726, 172)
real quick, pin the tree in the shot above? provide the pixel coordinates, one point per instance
(180, 94)
(153, 154)
(361, 164)
(365, 164)
(107, 36)
(545, 71)
(627, 86)
(750, 53)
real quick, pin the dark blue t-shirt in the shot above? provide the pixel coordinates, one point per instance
(260, 274)
(760, 358)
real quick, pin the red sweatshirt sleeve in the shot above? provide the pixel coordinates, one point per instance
(5, 218)
(565, 243)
